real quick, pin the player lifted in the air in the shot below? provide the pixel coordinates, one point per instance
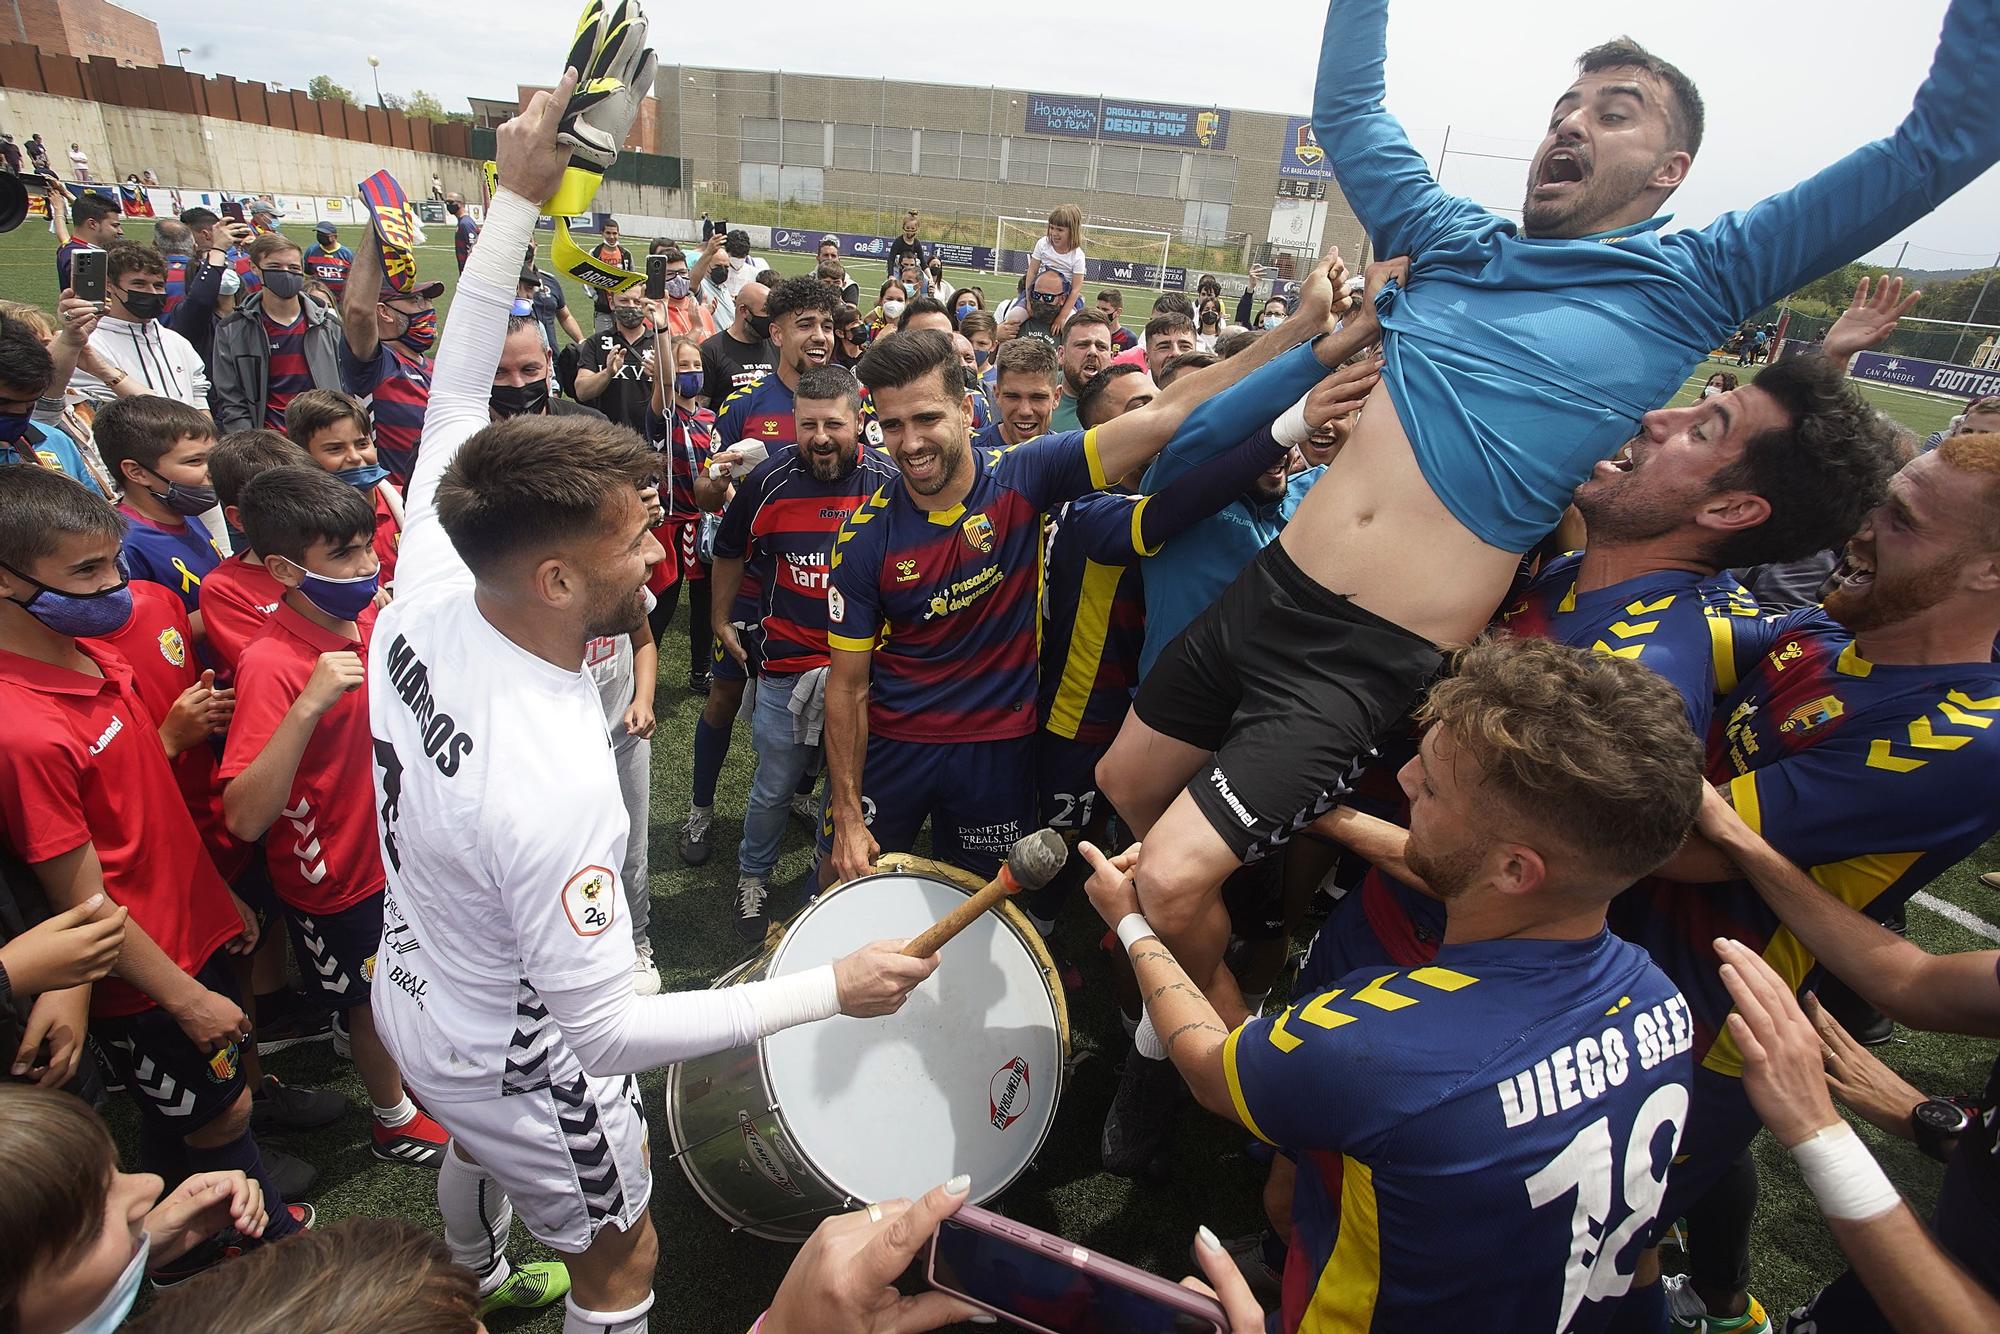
(1517, 357)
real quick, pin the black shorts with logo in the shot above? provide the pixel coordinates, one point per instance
(174, 1082)
(1289, 684)
(336, 951)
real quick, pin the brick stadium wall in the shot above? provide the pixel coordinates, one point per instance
(89, 28)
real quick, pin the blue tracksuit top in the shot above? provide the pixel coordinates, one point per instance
(1518, 362)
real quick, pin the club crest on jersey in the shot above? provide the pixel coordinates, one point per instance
(590, 900)
(222, 1065)
(978, 532)
(173, 647)
(1812, 713)
(872, 429)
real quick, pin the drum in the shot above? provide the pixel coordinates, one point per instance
(827, 1117)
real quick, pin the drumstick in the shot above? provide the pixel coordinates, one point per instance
(1031, 863)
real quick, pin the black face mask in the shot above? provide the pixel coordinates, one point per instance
(144, 305)
(283, 284)
(511, 400)
(760, 326)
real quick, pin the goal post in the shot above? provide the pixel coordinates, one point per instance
(1141, 251)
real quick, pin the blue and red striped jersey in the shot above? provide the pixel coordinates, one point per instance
(1684, 626)
(462, 238)
(1873, 777)
(397, 389)
(687, 436)
(948, 600)
(288, 375)
(787, 519)
(1096, 616)
(330, 267)
(178, 269)
(760, 411)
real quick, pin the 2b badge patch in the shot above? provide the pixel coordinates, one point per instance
(590, 900)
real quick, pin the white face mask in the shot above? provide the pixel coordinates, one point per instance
(117, 1303)
(893, 309)
(1710, 390)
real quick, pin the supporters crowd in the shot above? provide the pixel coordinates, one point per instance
(1608, 737)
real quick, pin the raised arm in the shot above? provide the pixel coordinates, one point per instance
(1383, 177)
(1950, 993)
(1754, 257)
(359, 298)
(530, 164)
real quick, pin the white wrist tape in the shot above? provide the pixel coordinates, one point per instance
(1291, 429)
(1132, 928)
(1844, 1176)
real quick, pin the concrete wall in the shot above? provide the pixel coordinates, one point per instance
(208, 153)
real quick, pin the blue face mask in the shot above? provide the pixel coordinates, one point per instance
(14, 425)
(342, 599)
(79, 615)
(117, 1303)
(687, 383)
(364, 477)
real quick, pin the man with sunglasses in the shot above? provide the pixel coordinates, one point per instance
(277, 344)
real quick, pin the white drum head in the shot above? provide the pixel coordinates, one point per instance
(962, 1079)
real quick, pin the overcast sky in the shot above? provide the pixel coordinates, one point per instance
(1789, 87)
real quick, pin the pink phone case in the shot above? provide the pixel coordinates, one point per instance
(1050, 1246)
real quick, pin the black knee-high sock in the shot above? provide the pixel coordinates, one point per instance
(701, 637)
(662, 614)
(240, 1154)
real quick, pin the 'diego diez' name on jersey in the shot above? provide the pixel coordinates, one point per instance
(1586, 1069)
(443, 742)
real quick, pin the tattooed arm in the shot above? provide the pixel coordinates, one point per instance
(1187, 1023)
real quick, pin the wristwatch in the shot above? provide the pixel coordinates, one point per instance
(1935, 1123)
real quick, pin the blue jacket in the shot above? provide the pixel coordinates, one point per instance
(1517, 362)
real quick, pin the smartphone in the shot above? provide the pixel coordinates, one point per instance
(1043, 1283)
(233, 209)
(656, 277)
(86, 275)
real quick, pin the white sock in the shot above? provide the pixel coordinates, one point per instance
(477, 1215)
(391, 1118)
(1146, 1041)
(582, 1320)
(700, 812)
(1131, 1024)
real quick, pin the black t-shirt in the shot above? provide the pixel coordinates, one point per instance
(630, 393)
(617, 255)
(900, 247)
(728, 363)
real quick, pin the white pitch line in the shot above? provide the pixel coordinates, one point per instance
(1951, 912)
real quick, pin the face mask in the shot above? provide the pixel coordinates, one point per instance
(1708, 391)
(510, 400)
(1273, 321)
(184, 499)
(364, 476)
(144, 306)
(80, 615)
(14, 425)
(735, 263)
(282, 284)
(677, 285)
(982, 356)
(687, 383)
(420, 331)
(628, 318)
(893, 309)
(966, 308)
(760, 326)
(524, 305)
(117, 1303)
(342, 599)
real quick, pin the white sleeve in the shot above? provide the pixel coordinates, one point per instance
(462, 386)
(614, 1032)
(1043, 253)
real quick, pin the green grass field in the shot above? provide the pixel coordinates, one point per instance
(710, 1280)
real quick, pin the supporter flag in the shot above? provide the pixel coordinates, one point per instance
(134, 200)
(395, 225)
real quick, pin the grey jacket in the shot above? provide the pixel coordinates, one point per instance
(240, 362)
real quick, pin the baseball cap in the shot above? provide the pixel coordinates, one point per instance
(265, 206)
(430, 291)
(327, 229)
(829, 237)
(529, 274)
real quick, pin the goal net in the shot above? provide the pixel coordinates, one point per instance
(1119, 256)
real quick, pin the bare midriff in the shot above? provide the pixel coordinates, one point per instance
(1372, 530)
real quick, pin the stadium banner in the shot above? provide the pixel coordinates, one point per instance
(1300, 156)
(1130, 122)
(1937, 377)
(858, 245)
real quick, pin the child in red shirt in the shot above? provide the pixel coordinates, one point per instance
(299, 764)
(333, 429)
(239, 595)
(88, 800)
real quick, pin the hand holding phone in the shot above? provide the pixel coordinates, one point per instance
(844, 1276)
(656, 277)
(86, 275)
(1043, 1283)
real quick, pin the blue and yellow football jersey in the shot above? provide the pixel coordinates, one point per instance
(1482, 1142)
(949, 600)
(1874, 777)
(1095, 620)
